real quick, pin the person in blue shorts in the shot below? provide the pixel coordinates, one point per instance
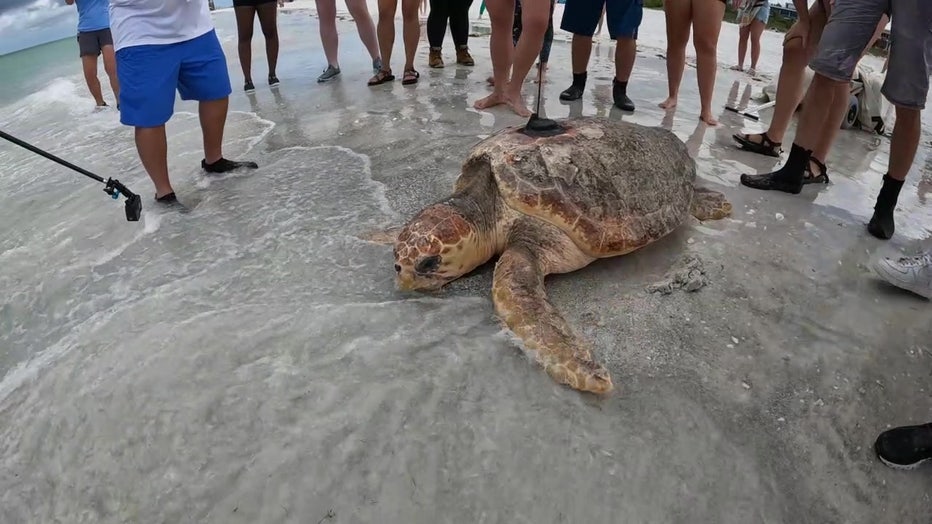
(94, 40)
(623, 17)
(162, 47)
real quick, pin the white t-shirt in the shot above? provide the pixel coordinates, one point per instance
(143, 22)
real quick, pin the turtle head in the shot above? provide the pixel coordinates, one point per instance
(436, 247)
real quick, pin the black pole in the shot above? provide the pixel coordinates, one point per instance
(111, 187)
(537, 126)
(51, 157)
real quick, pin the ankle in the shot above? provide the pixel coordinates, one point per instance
(888, 195)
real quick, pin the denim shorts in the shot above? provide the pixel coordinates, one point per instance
(622, 17)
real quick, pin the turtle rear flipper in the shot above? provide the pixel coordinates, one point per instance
(710, 205)
(521, 301)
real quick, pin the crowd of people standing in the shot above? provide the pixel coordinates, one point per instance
(158, 48)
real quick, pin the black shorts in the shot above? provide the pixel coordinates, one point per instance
(251, 3)
(91, 42)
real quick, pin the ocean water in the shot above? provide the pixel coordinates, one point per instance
(31, 69)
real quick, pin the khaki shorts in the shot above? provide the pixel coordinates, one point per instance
(850, 28)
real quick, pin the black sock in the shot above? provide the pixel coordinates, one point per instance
(788, 178)
(622, 86)
(579, 79)
(795, 167)
(881, 224)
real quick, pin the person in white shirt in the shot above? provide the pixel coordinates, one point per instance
(163, 46)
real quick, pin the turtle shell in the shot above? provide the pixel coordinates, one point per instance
(612, 186)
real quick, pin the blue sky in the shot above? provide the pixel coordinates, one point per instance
(26, 23)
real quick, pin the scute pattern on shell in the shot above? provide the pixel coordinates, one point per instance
(612, 186)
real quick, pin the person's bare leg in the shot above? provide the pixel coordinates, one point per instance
(707, 23)
(327, 26)
(411, 30)
(386, 32)
(152, 147)
(581, 50)
(110, 68)
(89, 64)
(364, 26)
(244, 25)
(903, 145)
(756, 30)
(501, 15)
(213, 115)
(534, 16)
(816, 109)
(904, 142)
(790, 92)
(678, 17)
(743, 34)
(626, 52)
(268, 21)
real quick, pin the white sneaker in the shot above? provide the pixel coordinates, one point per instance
(912, 273)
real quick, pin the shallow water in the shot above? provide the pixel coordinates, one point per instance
(250, 361)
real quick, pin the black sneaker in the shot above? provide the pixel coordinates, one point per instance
(573, 92)
(273, 81)
(223, 165)
(248, 87)
(905, 447)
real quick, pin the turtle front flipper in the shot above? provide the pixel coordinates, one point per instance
(384, 236)
(521, 301)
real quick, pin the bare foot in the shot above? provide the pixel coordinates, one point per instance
(496, 98)
(516, 103)
(669, 103)
(708, 119)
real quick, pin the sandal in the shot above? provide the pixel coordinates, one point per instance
(381, 77)
(809, 178)
(765, 147)
(410, 77)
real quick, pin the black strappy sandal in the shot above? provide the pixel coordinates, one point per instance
(410, 77)
(811, 178)
(765, 147)
(381, 77)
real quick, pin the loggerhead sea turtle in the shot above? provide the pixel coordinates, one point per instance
(552, 205)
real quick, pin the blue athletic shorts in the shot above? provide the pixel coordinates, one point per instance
(622, 17)
(150, 74)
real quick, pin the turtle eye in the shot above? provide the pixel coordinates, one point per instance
(428, 264)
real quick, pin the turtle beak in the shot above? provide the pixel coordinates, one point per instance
(404, 282)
